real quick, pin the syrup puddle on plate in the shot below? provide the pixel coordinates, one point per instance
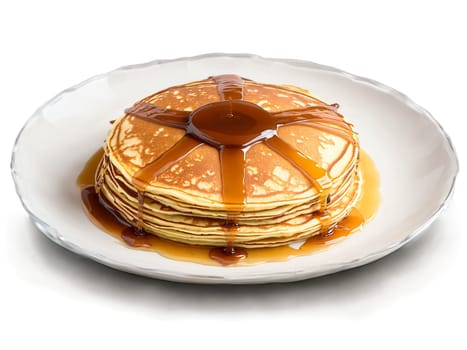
(102, 217)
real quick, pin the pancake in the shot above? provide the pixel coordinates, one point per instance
(227, 161)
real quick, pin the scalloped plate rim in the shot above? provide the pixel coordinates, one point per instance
(58, 238)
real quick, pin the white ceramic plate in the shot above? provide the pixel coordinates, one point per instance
(413, 154)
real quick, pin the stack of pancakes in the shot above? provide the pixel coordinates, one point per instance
(184, 203)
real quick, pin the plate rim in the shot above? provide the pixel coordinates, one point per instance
(53, 234)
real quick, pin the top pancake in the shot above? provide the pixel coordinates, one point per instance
(271, 180)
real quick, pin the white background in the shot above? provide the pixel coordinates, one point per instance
(52, 298)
